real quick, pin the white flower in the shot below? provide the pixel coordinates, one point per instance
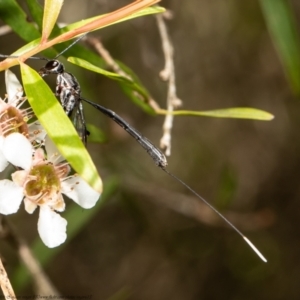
(10, 197)
(14, 120)
(13, 88)
(42, 183)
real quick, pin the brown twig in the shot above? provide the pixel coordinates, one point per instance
(95, 24)
(168, 74)
(42, 283)
(5, 284)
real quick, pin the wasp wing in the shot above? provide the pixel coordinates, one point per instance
(78, 120)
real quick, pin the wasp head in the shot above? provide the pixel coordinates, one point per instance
(52, 67)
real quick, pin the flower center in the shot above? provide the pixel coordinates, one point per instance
(44, 185)
(11, 120)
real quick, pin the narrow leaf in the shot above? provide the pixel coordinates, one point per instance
(235, 113)
(51, 12)
(36, 11)
(282, 26)
(58, 126)
(14, 16)
(85, 64)
(139, 95)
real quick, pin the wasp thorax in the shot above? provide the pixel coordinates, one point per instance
(52, 67)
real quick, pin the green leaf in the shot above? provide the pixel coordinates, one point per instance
(14, 16)
(77, 219)
(141, 96)
(51, 11)
(282, 26)
(85, 64)
(235, 112)
(36, 11)
(58, 126)
(26, 47)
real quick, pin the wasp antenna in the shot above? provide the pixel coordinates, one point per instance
(39, 58)
(31, 57)
(8, 56)
(71, 45)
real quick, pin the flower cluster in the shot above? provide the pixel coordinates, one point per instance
(41, 175)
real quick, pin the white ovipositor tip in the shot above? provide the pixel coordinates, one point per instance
(255, 249)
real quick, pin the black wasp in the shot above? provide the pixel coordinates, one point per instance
(69, 93)
(67, 89)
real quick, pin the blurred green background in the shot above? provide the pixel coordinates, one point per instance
(148, 239)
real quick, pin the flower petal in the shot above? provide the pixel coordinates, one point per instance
(19, 177)
(3, 160)
(37, 132)
(29, 206)
(10, 197)
(38, 157)
(13, 87)
(18, 150)
(59, 204)
(79, 191)
(3, 105)
(51, 227)
(52, 151)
